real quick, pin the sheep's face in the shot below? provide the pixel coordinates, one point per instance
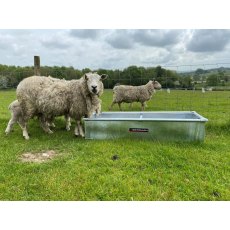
(94, 82)
(156, 84)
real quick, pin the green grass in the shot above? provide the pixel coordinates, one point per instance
(144, 170)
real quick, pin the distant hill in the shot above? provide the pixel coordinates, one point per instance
(206, 71)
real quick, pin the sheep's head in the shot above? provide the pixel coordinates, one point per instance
(156, 84)
(94, 83)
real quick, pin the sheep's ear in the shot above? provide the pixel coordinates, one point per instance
(104, 76)
(86, 77)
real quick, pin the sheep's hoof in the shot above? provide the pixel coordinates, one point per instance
(68, 129)
(79, 136)
(49, 132)
(52, 125)
(26, 137)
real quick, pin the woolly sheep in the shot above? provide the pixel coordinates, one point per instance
(17, 117)
(52, 98)
(129, 94)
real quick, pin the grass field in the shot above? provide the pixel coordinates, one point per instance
(142, 170)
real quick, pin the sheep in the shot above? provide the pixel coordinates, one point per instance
(17, 117)
(129, 94)
(51, 98)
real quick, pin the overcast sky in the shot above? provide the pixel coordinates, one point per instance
(114, 49)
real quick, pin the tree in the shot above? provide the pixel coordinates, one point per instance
(86, 70)
(186, 82)
(212, 80)
(200, 71)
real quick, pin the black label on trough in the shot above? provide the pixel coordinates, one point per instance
(138, 130)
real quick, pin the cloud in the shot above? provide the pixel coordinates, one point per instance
(127, 39)
(208, 40)
(55, 42)
(157, 38)
(120, 39)
(110, 48)
(85, 34)
(5, 41)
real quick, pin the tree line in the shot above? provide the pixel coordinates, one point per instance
(10, 76)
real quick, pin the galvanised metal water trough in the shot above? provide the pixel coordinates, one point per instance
(162, 126)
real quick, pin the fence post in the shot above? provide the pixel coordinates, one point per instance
(37, 66)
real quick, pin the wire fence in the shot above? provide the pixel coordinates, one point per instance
(209, 76)
(203, 88)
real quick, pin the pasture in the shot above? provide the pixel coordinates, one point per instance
(121, 169)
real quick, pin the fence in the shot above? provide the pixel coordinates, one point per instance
(207, 76)
(204, 88)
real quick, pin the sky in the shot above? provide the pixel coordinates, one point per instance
(115, 48)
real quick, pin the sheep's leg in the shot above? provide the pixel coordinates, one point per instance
(68, 123)
(46, 128)
(76, 132)
(113, 103)
(80, 128)
(9, 127)
(119, 104)
(98, 110)
(45, 125)
(51, 124)
(142, 106)
(23, 126)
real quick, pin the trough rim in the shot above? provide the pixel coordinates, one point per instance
(199, 118)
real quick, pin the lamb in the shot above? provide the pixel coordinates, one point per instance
(17, 117)
(129, 94)
(77, 98)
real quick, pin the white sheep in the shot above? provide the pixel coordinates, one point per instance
(17, 117)
(77, 98)
(129, 94)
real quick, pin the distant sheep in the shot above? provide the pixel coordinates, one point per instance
(17, 117)
(51, 98)
(129, 94)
